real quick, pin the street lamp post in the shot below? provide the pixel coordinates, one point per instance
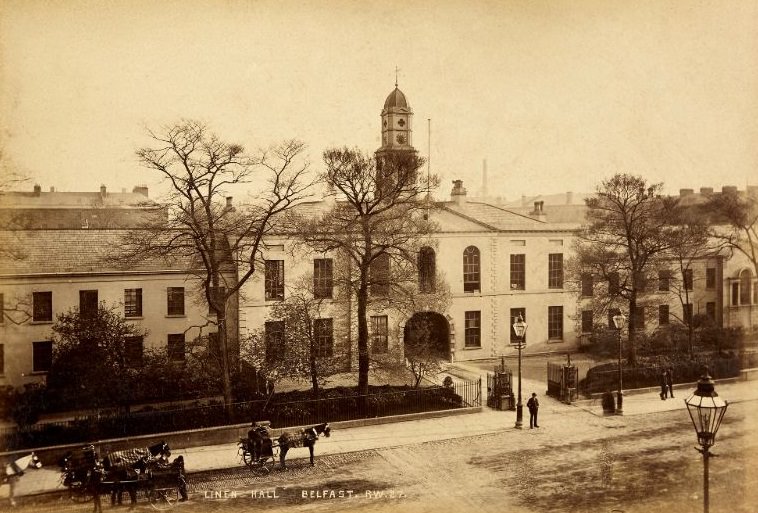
(620, 321)
(519, 328)
(706, 410)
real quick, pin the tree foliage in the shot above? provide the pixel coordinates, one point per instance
(738, 213)
(377, 223)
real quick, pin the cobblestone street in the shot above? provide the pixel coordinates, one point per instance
(575, 463)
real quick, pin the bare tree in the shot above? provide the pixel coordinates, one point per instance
(624, 240)
(377, 223)
(738, 214)
(201, 170)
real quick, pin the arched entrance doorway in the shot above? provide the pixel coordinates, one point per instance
(427, 333)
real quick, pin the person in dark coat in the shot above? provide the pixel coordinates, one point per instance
(534, 405)
(664, 384)
(670, 381)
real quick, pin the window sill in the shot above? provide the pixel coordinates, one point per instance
(38, 373)
(175, 316)
(472, 348)
(42, 322)
(554, 340)
(135, 318)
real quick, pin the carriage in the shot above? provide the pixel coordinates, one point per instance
(144, 471)
(259, 451)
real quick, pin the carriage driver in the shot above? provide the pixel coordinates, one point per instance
(178, 463)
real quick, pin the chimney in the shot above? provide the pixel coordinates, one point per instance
(458, 194)
(52, 189)
(140, 189)
(523, 200)
(539, 211)
(729, 189)
(706, 191)
(229, 202)
(685, 192)
(569, 198)
(102, 191)
(752, 191)
(37, 189)
(123, 190)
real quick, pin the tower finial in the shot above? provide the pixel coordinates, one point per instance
(396, 70)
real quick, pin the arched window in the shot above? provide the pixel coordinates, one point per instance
(745, 280)
(427, 268)
(471, 269)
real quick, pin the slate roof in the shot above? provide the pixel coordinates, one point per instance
(64, 200)
(72, 251)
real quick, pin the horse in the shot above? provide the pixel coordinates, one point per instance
(304, 438)
(15, 469)
(121, 468)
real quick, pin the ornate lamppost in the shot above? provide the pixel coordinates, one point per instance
(706, 410)
(619, 320)
(519, 328)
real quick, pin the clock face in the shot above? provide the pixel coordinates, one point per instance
(401, 138)
(401, 122)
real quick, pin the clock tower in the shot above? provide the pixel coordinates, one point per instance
(397, 130)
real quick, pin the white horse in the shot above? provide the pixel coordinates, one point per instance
(15, 469)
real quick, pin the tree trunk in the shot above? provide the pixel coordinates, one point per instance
(226, 381)
(631, 349)
(363, 357)
(314, 370)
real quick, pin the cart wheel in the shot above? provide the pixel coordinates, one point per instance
(78, 492)
(163, 498)
(247, 457)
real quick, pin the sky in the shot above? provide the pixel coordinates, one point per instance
(555, 96)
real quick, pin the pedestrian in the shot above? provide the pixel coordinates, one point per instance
(670, 381)
(534, 405)
(664, 384)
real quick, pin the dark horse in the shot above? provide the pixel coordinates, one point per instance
(304, 438)
(122, 469)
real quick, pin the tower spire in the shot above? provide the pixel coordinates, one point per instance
(396, 70)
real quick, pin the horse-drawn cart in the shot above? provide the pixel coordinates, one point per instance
(258, 451)
(141, 471)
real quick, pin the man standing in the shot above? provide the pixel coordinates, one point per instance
(664, 384)
(534, 405)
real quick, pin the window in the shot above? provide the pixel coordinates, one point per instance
(735, 294)
(663, 315)
(132, 302)
(555, 322)
(88, 303)
(687, 313)
(587, 285)
(745, 287)
(687, 279)
(639, 318)
(176, 348)
(274, 333)
(710, 278)
(471, 270)
(587, 321)
(613, 284)
(219, 298)
(612, 312)
(42, 306)
(2, 313)
(710, 310)
(379, 335)
(322, 278)
(274, 280)
(640, 282)
(322, 331)
(175, 300)
(664, 279)
(380, 275)
(42, 356)
(473, 328)
(555, 270)
(515, 313)
(133, 349)
(426, 270)
(518, 272)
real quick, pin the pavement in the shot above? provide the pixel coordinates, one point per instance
(380, 436)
